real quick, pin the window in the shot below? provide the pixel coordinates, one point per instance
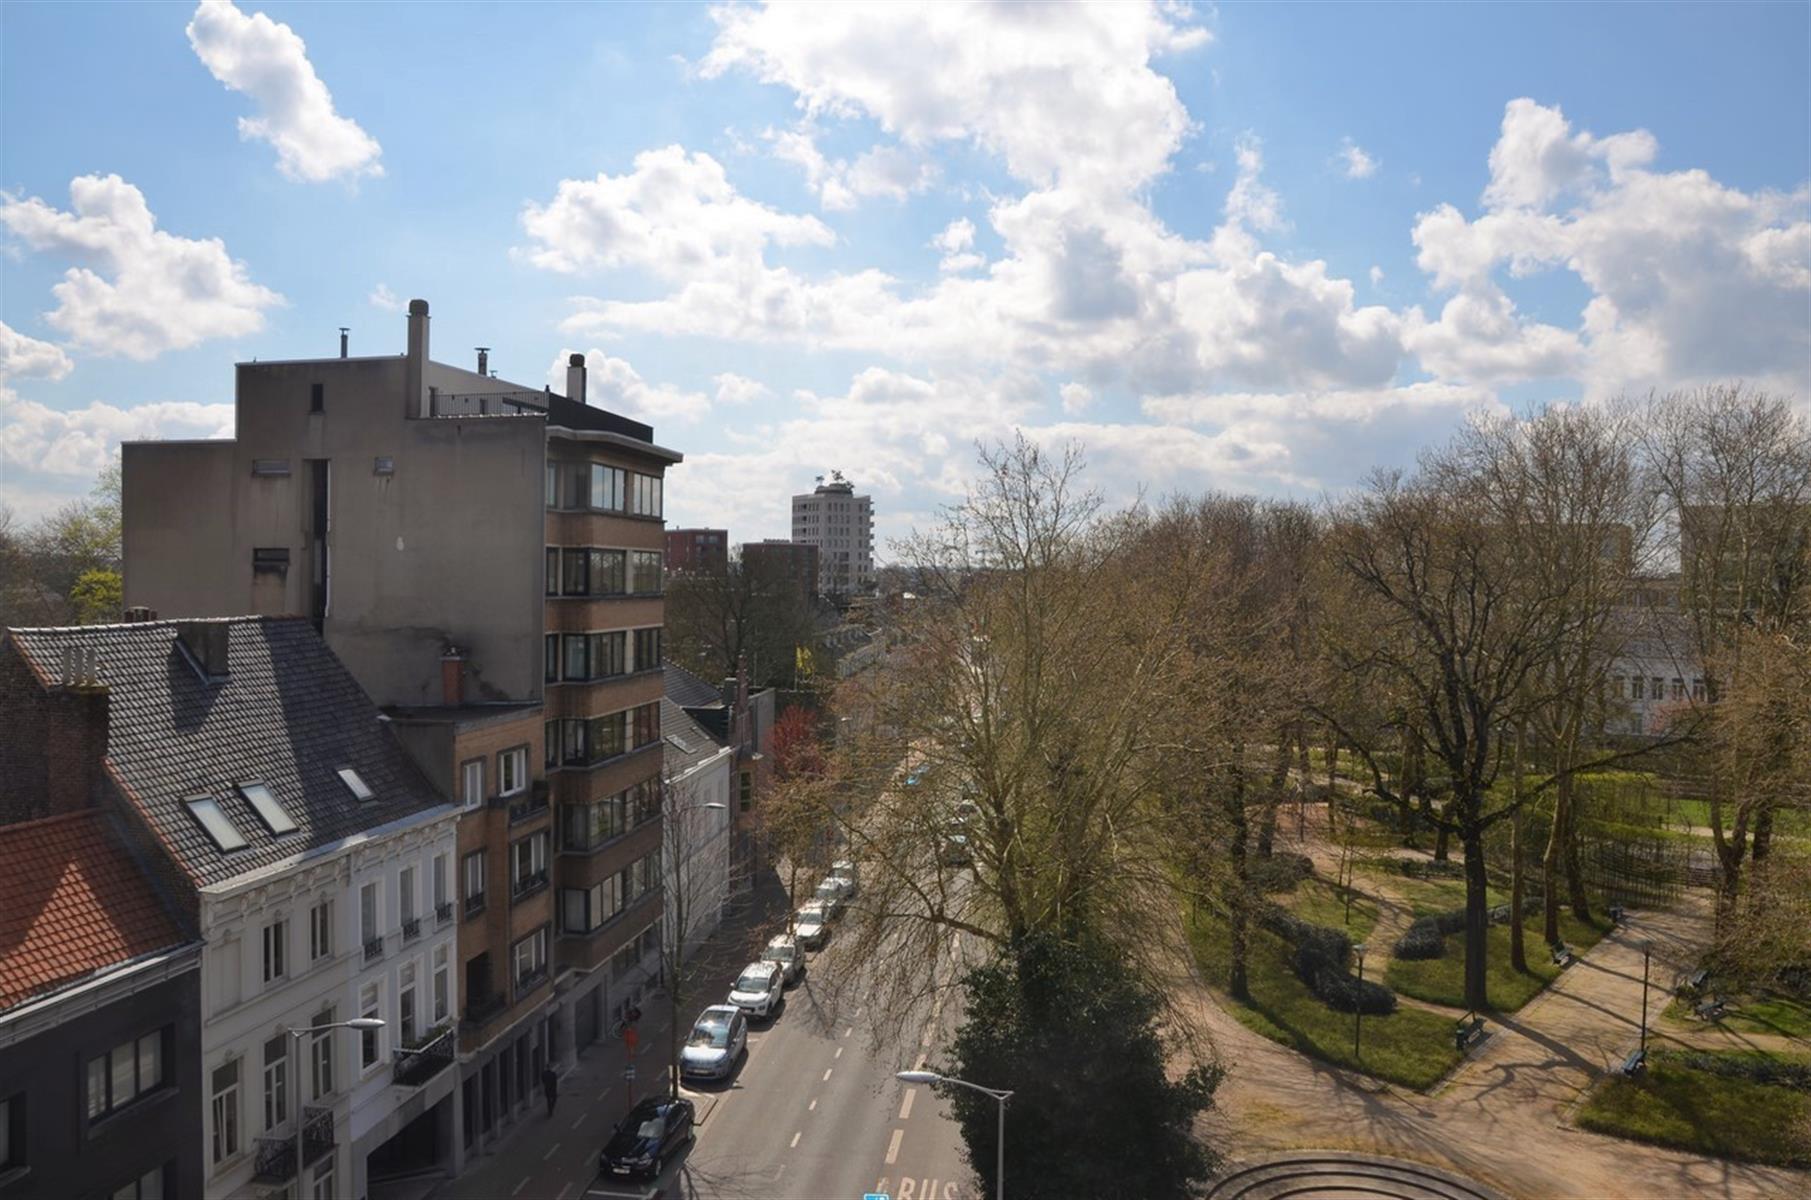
(471, 782)
(553, 486)
(644, 571)
(321, 1060)
(530, 956)
(575, 479)
(270, 560)
(594, 655)
(370, 1000)
(12, 1132)
(323, 1180)
(442, 899)
(443, 984)
(1698, 691)
(149, 1186)
(607, 487)
(552, 582)
(275, 818)
(223, 1129)
(207, 814)
(550, 744)
(1636, 689)
(528, 863)
(646, 722)
(512, 771)
(647, 649)
(320, 931)
(609, 572)
(583, 910)
(1678, 688)
(644, 495)
(317, 397)
(1659, 688)
(276, 938)
(276, 1082)
(405, 1004)
(550, 660)
(355, 785)
(575, 573)
(224, 964)
(124, 1073)
(368, 918)
(474, 882)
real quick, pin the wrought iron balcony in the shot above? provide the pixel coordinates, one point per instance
(528, 981)
(276, 1157)
(529, 884)
(443, 912)
(530, 804)
(416, 1066)
(411, 928)
(374, 948)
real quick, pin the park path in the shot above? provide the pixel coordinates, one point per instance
(1503, 1115)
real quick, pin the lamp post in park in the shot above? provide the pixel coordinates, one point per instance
(932, 1078)
(363, 1025)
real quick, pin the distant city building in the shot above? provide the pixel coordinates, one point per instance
(841, 525)
(697, 550)
(775, 558)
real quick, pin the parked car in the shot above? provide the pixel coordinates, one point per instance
(645, 1138)
(831, 893)
(811, 926)
(964, 812)
(760, 990)
(845, 872)
(716, 1042)
(786, 952)
(953, 851)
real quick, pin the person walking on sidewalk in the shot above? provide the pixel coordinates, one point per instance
(550, 1087)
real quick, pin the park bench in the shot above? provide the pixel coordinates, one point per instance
(1697, 981)
(1562, 954)
(1468, 1029)
(1711, 1008)
(1635, 1063)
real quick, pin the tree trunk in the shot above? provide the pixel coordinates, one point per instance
(1518, 957)
(1763, 835)
(1236, 935)
(1477, 918)
(1440, 839)
(1550, 865)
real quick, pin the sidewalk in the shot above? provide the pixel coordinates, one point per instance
(555, 1158)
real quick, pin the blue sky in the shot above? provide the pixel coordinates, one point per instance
(1258, 247)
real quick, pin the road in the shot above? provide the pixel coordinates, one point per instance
(813, 1112)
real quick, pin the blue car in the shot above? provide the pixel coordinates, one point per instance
(647, 1137)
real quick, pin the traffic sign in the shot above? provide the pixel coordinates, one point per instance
(629, 1071)
(875, 1196)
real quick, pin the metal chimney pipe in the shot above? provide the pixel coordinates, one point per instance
(344, 330)
(483, 359)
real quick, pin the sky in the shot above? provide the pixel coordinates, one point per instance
(1253, 248)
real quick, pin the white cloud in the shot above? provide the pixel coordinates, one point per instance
(147, 290)
(613, 384)
(675, 215)
(1075, 396)
(1357, 164)
(1376, 274)
(1251, 203)
(382, 297)
(957, 240)
(22, 355)
(1538, 158)
(1359, 406)
(77, 444)
(886, 171)
(738, 389)
(268, 62)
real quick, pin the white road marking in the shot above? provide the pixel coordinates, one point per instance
(905, 1106)
(827, 1071)
(564, 1188)
(603, 1095)
(581, 1119)
(812, 1107)
(893, 1147)
(851, 1028)
(517, 1190)
(839, 1052)
(796, 1137)
(551, 1151)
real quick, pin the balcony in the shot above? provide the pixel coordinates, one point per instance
(485, 1009)
(411, 928)
(526, 806)
(474, 904)
(374, 948)
(528, 981)
(443, 912)
(414, 1067)
(276, 1157)
(528, 885)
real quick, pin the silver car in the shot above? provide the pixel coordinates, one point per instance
(784, 951)
(760, 990)
(831, 894)
(844, 872)
(811, 926)
(716, 1042)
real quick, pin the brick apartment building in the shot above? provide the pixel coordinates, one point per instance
(487, 558)
(700, 551)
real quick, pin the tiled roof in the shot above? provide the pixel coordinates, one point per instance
(687, 690)
(288, 715)
(72, 903)
(695, 743)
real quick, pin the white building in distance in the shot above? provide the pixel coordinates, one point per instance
(841, 525)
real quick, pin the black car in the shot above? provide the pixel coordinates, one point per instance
(642, 1142)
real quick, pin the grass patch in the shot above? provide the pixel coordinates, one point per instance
(1321, 902)
(1425, 897)
(1672, 1104)
(1767, 1014)
(1442, 980)
(1411, 1046)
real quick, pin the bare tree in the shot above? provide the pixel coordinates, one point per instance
(694, 862)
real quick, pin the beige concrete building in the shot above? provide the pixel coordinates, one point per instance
(841, 525)
(487, 559)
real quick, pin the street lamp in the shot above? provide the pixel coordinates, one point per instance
(1647, 950)
(932, 1078)
(363, 1025)
(1358, 999)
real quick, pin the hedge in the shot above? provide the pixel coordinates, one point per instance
(1320, 959)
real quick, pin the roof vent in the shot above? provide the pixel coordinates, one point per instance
(205, 642)
(81, 667)
(483, 360)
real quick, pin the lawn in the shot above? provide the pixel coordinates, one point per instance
(1766, 1014)
(1672, 1104)
(1321, 902)
(1411, 1046)
(1426, 897)
(1442, 980)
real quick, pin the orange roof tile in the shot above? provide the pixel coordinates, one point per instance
(72, 903)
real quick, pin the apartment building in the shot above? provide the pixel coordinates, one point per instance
(697, 550)
(841, 525)
(488, 559)
(258, 783)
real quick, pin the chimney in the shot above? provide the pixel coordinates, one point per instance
(75, 734)
(205, 642)
(344, 330)
(575, 378)
(415, 374)
(452, 677)
(139, 612)
(484, 360)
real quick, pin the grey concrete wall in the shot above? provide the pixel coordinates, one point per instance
(177, 521)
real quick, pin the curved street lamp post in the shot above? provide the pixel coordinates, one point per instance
(362, 1024)
(932, 1078)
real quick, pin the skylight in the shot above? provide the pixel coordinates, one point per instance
(358, 787)
(679, 743)
(215, 823)
(268, 809)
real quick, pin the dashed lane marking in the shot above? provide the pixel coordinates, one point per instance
(564, 1188)
(796, 1137)
(551, 1151)
(839, 1052)
(517, 1190)
(893, 1147)
(827, 1071)
(812, 1107)
(581, 1120)
(851, 1028)
(905, 1106)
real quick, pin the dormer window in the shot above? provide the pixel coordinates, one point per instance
(272, 813)
(215, 823)
(361, 791)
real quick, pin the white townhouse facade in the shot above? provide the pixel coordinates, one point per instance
(699, 816)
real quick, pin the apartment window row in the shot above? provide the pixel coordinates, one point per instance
(586, 657)
(585, 742)
(646, 943)
(128, 1072)
(511, 775)
(152, 1185)
(528, 864)
(1655, 687)
(600, 571)
(585, 827)
(603, 489)
(529, 959)
(586, 910)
